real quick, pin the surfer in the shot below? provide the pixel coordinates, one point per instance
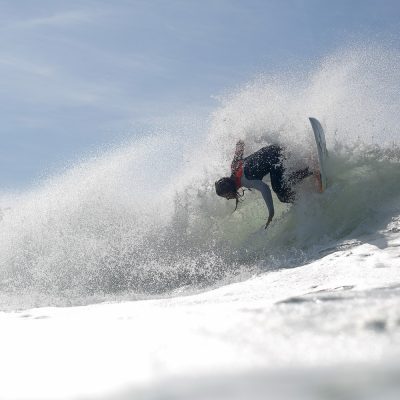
(248, 172)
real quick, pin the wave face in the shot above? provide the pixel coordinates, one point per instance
(143, 219)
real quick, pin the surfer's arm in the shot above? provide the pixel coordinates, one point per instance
(238, 155)
(265, 192)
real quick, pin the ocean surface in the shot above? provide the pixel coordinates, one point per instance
(126, 277)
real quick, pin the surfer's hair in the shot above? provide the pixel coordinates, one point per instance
(226, 187)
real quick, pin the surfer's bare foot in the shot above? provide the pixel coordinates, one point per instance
(318, 181)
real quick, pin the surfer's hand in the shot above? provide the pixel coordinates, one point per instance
(269, 221)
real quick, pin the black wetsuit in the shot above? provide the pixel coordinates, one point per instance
(268, 160)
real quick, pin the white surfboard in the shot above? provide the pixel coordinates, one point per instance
(322, 151)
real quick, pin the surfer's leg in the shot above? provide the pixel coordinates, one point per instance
(297, 176)
(280, 186)
(283, 187)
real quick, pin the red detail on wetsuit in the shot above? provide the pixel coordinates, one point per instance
(238, 173)
(237, 164)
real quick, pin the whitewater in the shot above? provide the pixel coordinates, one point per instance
(125, 276)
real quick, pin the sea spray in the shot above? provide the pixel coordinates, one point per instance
(143, 219)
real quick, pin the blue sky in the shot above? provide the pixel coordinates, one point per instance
(78, 75)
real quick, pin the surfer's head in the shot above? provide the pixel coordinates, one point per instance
(226, 187)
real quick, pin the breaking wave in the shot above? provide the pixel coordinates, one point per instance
(143, 219)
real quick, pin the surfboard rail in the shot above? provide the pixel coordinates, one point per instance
(320, 140)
